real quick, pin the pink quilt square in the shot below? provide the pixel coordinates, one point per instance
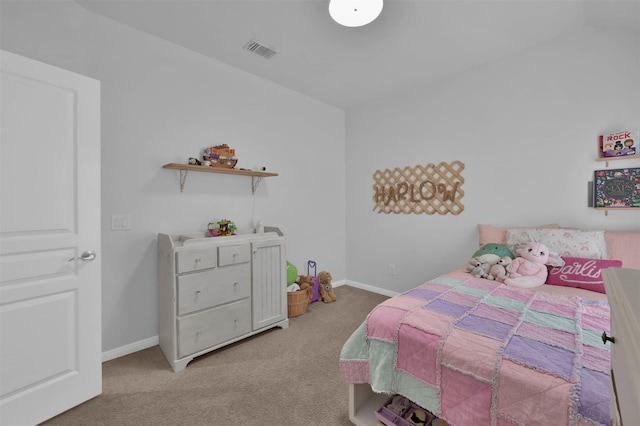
(481, 283)
(566, 311)
(596, 310)
(496, 313)
(532, 397)
(460, 299)
(551, 336)
(596, 323)
(355, 371)
(463, 396)
(511, 293)
(471, 353)
(596, 358)
(440, 288)
(429, 321)
(417, 353)
(383, 323)
(556, 298)
(403, 302)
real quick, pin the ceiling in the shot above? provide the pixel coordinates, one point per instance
(411, 42)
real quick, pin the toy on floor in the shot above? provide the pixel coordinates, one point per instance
(529, 269)
(306, 283)
(398, 404)
(418, 417)
(325, 287)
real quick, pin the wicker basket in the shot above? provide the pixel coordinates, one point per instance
(297, 302)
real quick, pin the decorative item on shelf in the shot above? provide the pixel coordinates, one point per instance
(619, 144)
(194, 161)
(222, 228)
(220, 156)
(617, 188)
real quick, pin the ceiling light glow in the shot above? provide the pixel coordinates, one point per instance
(354, 13)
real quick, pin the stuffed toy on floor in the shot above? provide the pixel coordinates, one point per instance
(306, 283)
(325, 287)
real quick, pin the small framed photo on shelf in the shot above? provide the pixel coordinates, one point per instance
(617, 188)
(619, 144)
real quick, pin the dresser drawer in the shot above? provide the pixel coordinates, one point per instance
(213, 287)
(213, 327)
(194, 260)
(230, 255)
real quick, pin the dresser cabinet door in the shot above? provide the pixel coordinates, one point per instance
(623, 291)
(269, 283)
(213, 287)
(213, 327)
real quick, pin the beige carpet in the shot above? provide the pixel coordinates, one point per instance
(279, 377)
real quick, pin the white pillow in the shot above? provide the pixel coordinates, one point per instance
(565, 242)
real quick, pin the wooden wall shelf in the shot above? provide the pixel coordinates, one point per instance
(256, 176)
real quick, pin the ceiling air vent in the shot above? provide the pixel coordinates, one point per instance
(260, 49)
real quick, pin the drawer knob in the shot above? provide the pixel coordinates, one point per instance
(606, 338)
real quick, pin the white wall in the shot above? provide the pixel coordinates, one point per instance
(161, 104)
(526, 129)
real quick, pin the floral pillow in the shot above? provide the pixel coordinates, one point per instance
(497, 234)
(581, 273)
(566, 242)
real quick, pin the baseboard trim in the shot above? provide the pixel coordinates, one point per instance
(130, 348)
(370, 288)
(153, 341)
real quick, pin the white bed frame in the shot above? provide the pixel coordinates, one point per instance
(363, 403)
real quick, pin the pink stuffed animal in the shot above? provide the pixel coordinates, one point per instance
(529, 269)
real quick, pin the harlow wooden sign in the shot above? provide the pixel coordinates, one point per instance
(421, 189)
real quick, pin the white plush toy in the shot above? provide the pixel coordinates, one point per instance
(499, 270)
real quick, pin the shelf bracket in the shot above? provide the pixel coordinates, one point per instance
(255, 181)
(183, 178)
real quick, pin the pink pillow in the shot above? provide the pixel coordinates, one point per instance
(624, 245)
(581, 272)
(497, 234)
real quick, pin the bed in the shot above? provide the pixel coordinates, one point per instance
(477, 352)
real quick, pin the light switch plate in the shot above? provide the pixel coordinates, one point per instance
(120, 222)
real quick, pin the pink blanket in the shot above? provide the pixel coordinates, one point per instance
(476, 352)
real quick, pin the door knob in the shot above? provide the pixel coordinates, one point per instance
(86, 256)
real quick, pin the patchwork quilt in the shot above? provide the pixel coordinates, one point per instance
(476, 352)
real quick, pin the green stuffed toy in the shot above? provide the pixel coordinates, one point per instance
(292, 273)
(499, 250)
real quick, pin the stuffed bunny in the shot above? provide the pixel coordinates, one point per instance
(529, 269)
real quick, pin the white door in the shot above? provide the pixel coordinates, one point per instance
(50, 309)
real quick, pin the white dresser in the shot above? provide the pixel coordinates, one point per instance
(216, 291)
(623, 291)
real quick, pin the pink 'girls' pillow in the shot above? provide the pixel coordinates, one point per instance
(581, 273)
